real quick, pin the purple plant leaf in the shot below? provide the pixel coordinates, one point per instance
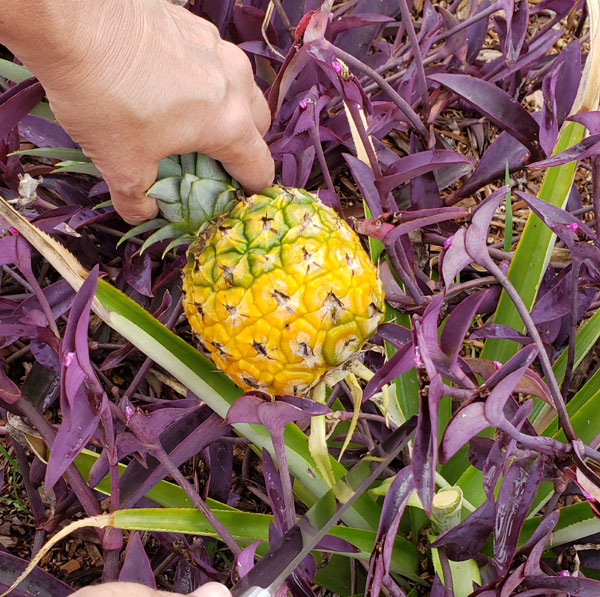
(467, 539)
(394, 503)
(530, 384)
(394, 334)
(555, 218)
(496, 104)
(466, 423)
(356, 20)
(402, 361)
(516, 28)
(136, 566)
(9, 391)
(244, 561)
(536, 544)
(365, 179)
(437, 588)
(574, 586)
(17, 102)
(518, 362)
(147, 427)
(406, 168)
(187, 577)
(425, 448)
(476, 33)
(221, 469)
(82, 397)
(494, 405)
(456, 257)
(44, 133)
(458, 323)
(307, 405)
(589, 147)
(591, 121)
(183, 439)
(137, 270)
(505, 148)
(390, 232)
(515, 496)
(556, 302)
(513, 580)
(38, 582)
(275, 492)
(477, 233)
(499, 330)
(8, 250)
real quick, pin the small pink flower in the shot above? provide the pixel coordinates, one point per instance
(497, 365)
(418, 359)
(336, 66)
(564, 573)
(573, 226)
(129, 412)
(14, 231)
(448, 242)
(68, 359)
(303, 103)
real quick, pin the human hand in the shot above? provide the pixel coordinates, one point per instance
(137, 80)
(129, 589)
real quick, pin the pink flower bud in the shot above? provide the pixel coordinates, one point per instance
(497, 365)
(448, 242)
(564, 573)
(573, 226)
(14, 231)
(336, 66)
(303, 103)
(129, 412)
(68, 359)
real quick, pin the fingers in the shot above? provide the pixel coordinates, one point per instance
(128, 186)
(260, 111)
(212, 589)
(248, 160)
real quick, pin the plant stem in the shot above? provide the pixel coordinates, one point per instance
(575, 269)
(416, 52)
(159, 453)
(396, 98)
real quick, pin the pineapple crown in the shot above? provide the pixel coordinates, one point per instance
(192, 190)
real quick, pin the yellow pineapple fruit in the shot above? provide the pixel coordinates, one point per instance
(277, 288)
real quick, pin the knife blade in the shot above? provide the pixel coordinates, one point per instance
(280, 561)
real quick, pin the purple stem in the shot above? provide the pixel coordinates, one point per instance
(555, 392)
(139, 376)
(416, 52)
(396, 98)
(33, 496)
(159, 453)
(286, 479)
(572, 330)
(73, 476)
(398, 268)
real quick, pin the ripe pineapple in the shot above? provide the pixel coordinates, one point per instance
(278, 289)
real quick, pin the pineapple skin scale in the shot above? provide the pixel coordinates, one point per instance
(280, 291)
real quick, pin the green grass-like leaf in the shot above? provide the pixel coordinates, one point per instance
(534, 249)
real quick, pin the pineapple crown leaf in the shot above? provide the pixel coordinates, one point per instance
(184, 239)
(143, 227)
(170, 230)
(191, 190)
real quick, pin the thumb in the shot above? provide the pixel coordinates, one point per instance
(211, 589)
